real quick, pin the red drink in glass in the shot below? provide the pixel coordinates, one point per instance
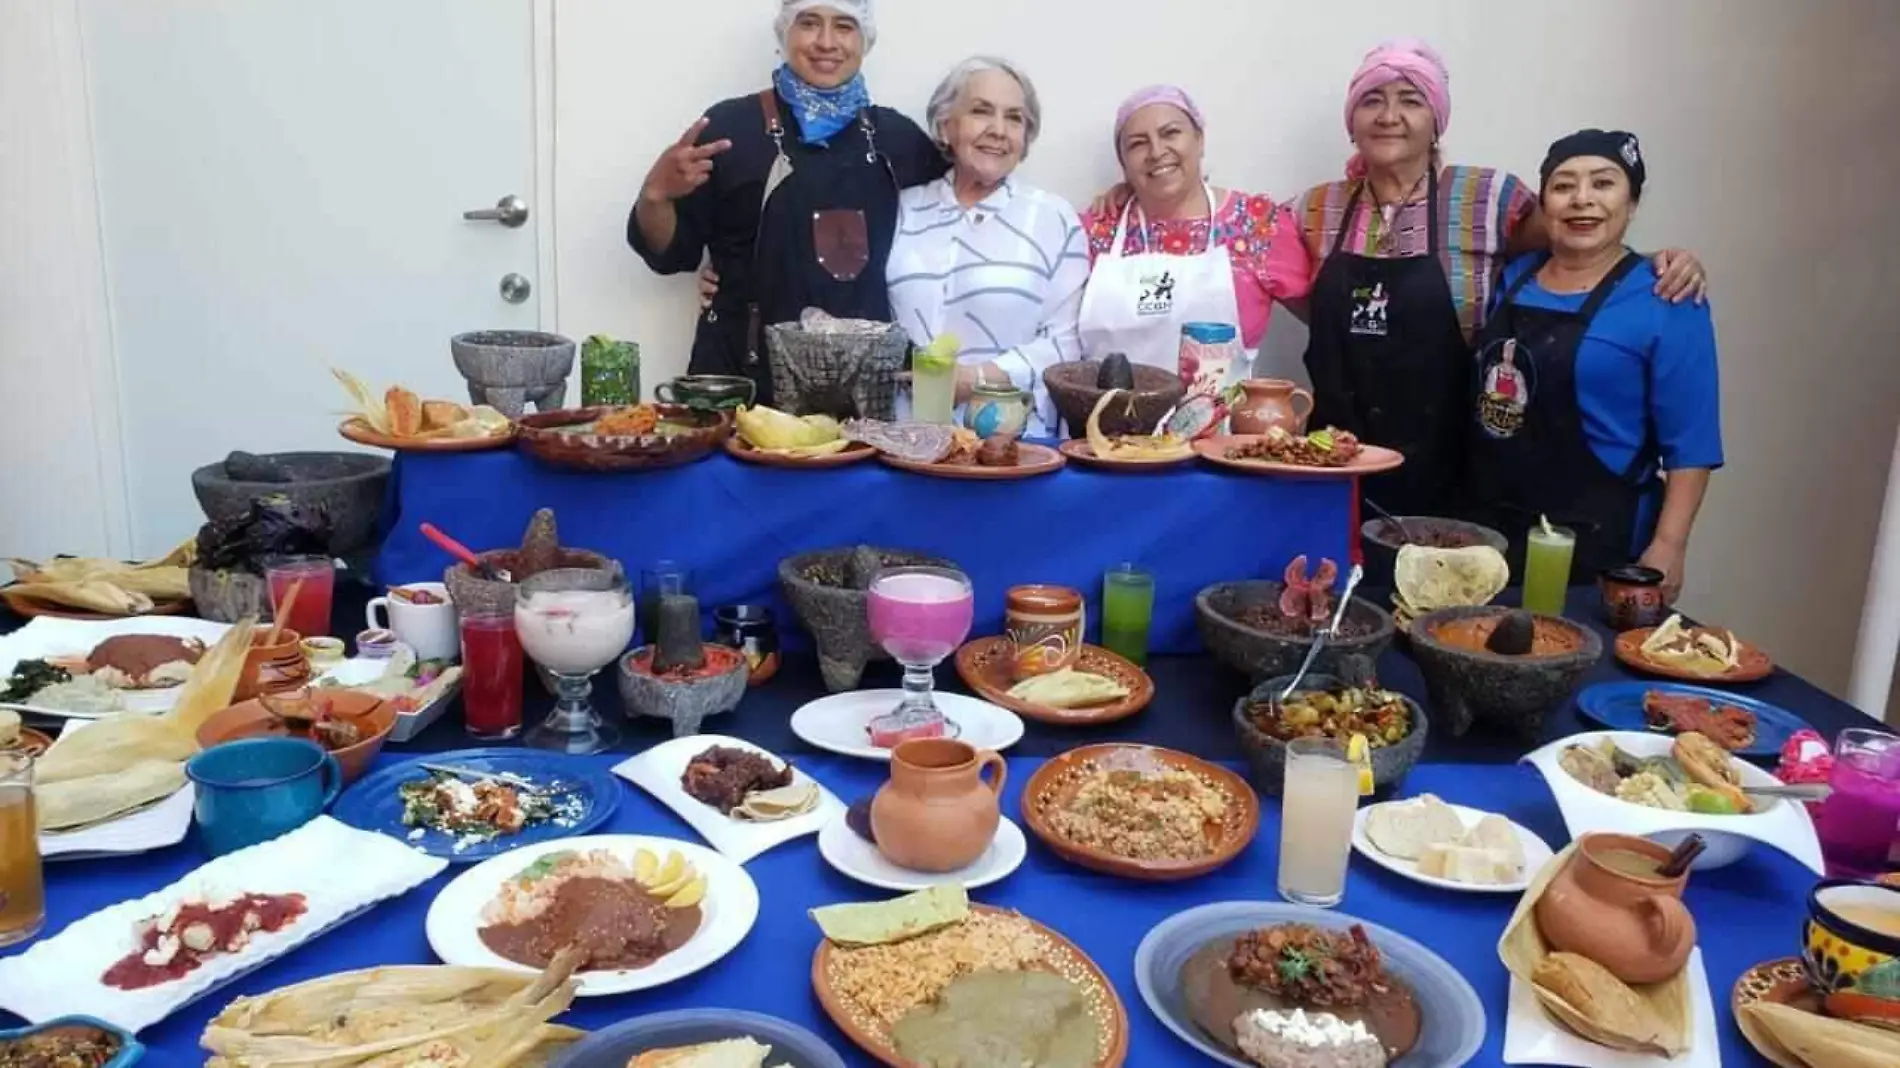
(310, 616)
(491, 676)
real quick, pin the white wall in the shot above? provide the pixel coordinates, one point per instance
(1767, 124)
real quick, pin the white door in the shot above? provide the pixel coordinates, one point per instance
(281, 188)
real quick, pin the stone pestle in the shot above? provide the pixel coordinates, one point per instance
(679, 644)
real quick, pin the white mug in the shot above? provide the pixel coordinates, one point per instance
(430, 629)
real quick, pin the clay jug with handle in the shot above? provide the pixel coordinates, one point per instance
(1271, 402)
(1634, 925)
(937, 813)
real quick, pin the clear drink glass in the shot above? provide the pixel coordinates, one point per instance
(573, 622)
(1547, 569)
(491, 676)
(1128, 604)
(665, 578)
(933, 388)
(920, 615)
(22, 882)
(1316, 813)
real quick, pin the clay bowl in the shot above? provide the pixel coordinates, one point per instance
(228, 596)
(473, 594)
(1266, 755)
(1057, 781)
(250, 719)
(687, 702)
(1380, 540)
(1072, 387)
(1262, 655)
(543, 437)
(1515, 692)
(816, 585)
(346, 486)
(272, 668)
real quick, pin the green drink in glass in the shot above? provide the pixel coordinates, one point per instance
(610, 372)
(1128, 604)
(1547, 554)
(933, 381)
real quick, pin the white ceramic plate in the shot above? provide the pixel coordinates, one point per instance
(1536, 855)
(844, 850)
(839, 723)
(1532, 1037)
(1782, 824)
(161, 825)
(729, 911)
(340, 871)
(658, 771)
(49, 636)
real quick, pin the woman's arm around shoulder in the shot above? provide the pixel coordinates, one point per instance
(915, 158)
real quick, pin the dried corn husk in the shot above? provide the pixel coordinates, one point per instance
(1523, 946)
(1819, 1041)
(109, 587)
(468, 1017)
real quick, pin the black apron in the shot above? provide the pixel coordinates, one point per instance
(825, 232)
(1389, 361)
(1529, 454)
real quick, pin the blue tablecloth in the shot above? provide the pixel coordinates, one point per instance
(732, 523)
(1748, 912)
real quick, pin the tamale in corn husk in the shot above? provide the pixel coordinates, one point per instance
(109, 587)
(1818, 1041)
(385, 1017)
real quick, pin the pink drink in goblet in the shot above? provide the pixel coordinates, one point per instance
(920, 615)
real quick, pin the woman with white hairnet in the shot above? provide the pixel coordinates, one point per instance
(978, 254)
(792, 192)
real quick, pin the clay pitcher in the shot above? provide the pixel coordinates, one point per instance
(1271, 402)
(1633, 925)
(937, 813)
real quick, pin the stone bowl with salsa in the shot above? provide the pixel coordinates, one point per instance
(1467, 682)
(75, 1041)
(1243, 628)
(1381, 538)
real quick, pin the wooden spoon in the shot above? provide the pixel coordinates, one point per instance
(282, 613)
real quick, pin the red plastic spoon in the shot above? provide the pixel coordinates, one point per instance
(463, 553)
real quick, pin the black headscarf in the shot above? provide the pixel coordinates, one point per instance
(1618, 146)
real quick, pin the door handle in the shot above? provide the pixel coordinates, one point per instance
(510, 211)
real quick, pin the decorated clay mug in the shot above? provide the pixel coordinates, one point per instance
(1045, 626)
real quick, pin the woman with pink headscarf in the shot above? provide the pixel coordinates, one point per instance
(1180, 253)
(1406, 252)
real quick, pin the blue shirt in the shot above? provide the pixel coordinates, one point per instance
(1639, 339)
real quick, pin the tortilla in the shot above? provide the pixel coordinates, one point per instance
(1428, 579)
(74, 803)
(876, 923)
(770, 806)
(1068, 688)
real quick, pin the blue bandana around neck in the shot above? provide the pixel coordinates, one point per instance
(821, 113)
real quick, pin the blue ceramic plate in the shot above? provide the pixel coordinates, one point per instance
(130, 1051)
(374, 805)
(1453, 1016)
(615, 1047)
(1619, 706)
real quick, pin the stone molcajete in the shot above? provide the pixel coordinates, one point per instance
(680, 676)
(1077, 386)
(510, 369)
(1505, 666)
(844, 368)
(826, 589)
(540, 550)
(937, 813)
(1265, 628)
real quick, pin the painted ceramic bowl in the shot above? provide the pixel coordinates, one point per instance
(1855, 964)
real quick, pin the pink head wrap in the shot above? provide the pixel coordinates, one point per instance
(1401, 59)
(1156, 94)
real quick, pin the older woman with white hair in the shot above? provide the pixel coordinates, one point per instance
(994, 261)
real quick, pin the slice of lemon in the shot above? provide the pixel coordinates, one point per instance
(1359, 751)
(669, 872)
(667, 887)
(689, 895)
(645, 866)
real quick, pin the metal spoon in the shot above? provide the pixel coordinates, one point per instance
(1325, 635)
(1816, 791)
(1404, 531)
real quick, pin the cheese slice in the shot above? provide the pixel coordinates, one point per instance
(1467, 864)
(1496, 834)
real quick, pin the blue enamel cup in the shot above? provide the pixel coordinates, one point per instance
(253, 790)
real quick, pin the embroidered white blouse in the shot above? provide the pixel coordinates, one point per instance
(1005, 276)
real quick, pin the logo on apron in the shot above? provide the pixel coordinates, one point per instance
(1157, 294)
(1505, 393)
(1368, 309)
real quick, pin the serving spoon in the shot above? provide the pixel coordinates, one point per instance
(1324, 635)
(1404, 531)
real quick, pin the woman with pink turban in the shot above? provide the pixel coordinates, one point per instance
(1406, 252)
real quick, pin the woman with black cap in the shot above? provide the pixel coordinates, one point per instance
(1596, 402)
(792, 191)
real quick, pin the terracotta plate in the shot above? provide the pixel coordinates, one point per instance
(30, 607)
(1373, 460)
(30, 742)
(1755, 666)
(1034, 460)
(1079, 450)
(740, 449)
(1062, 957)
(1056, 781)
(984, 665)
(551, 438)
(1783, 982)
(359, 431)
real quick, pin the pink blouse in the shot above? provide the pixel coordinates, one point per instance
(1271, 261)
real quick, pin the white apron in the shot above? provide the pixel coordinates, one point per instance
(1137, 304)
